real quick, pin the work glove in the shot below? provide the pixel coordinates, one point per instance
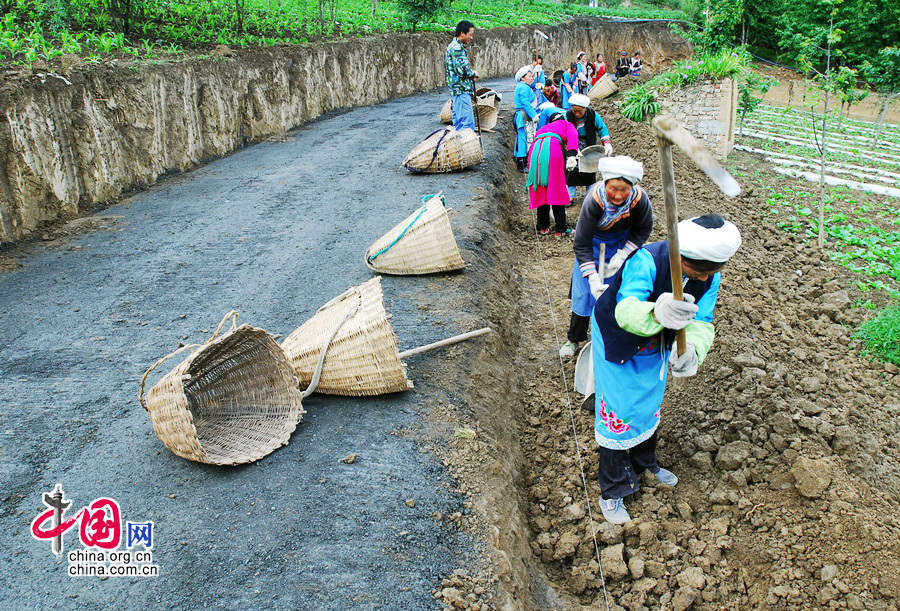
(597, 286)
(673, 314)
(685, 365)
(571, 163)
(607, 149)
(536, 118)
(615, 263)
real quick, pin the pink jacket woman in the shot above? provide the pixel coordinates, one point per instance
(554, 148)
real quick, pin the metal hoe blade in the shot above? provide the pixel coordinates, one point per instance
(667, 127)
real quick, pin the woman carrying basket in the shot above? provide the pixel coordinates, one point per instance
(553, 152)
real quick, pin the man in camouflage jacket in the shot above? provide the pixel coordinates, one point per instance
(461, 77)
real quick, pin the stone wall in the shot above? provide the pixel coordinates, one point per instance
(70, 144)
(708, 110)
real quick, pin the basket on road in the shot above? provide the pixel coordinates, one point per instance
(349, 348)
(361, 357)
(445, 150)
(423, 243)
(488, 109)
(233, 400)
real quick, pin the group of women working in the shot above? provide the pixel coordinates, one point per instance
(621, 287)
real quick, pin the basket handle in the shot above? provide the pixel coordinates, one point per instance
(233, 314)
(317, 374)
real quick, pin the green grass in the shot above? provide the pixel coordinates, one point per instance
(881, 335)
(45, 29)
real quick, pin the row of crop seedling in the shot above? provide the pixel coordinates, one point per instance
(885, 148)
(857, 241)
(89, 28)
(798, 116)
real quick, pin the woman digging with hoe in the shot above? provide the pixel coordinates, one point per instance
(633, 328)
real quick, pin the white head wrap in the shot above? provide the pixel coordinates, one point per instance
(579, 99)
(621, 166)
(708, 238)
(523, 71)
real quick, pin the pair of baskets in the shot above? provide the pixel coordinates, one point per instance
(487, 107)
(237, 398)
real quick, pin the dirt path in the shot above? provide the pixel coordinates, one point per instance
(785, 442)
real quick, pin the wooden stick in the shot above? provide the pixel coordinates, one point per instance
(667, 174)
(444, 342)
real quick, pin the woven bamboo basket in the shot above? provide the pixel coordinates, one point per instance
(233, 400)
(604, 88)
(445, 150)
(557, 77)
(489, 95)
(422, 243)
(361, 358)
(488, 110)
(487, 114)
(447, 112)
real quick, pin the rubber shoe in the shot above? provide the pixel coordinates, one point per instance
(568, 349)
(544, 231)
(666, 478)
(614, 511)
(565, 234)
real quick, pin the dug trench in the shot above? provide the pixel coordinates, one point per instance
(784, 443)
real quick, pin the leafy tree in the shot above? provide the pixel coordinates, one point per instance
(420, 11)
(884, 72)
(846, 90)
(714, 24)
(817, 45)
(750, 83)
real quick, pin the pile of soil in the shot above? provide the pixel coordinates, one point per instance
(784, 443)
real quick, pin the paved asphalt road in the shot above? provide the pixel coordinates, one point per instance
(273, 231)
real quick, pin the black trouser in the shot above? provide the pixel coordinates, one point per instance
(559, 215)
(578, 327)
(619, 469)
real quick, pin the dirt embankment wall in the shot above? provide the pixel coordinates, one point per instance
(67, 145)
(799, 93)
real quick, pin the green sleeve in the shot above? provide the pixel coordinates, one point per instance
(700, 334)
(636, 316)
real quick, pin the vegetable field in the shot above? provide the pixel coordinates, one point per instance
(862, 200)
(39, 30)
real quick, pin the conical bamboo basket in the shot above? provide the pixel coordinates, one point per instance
(447, 112)
(489, 95)
(423, 243)
(487, 114)
(233, 400)
(362, 358)
(445, 150)
(604, 88)
(488, 111)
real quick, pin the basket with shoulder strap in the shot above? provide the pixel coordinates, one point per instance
(423, 243)
(445, 150)
(361, 356)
